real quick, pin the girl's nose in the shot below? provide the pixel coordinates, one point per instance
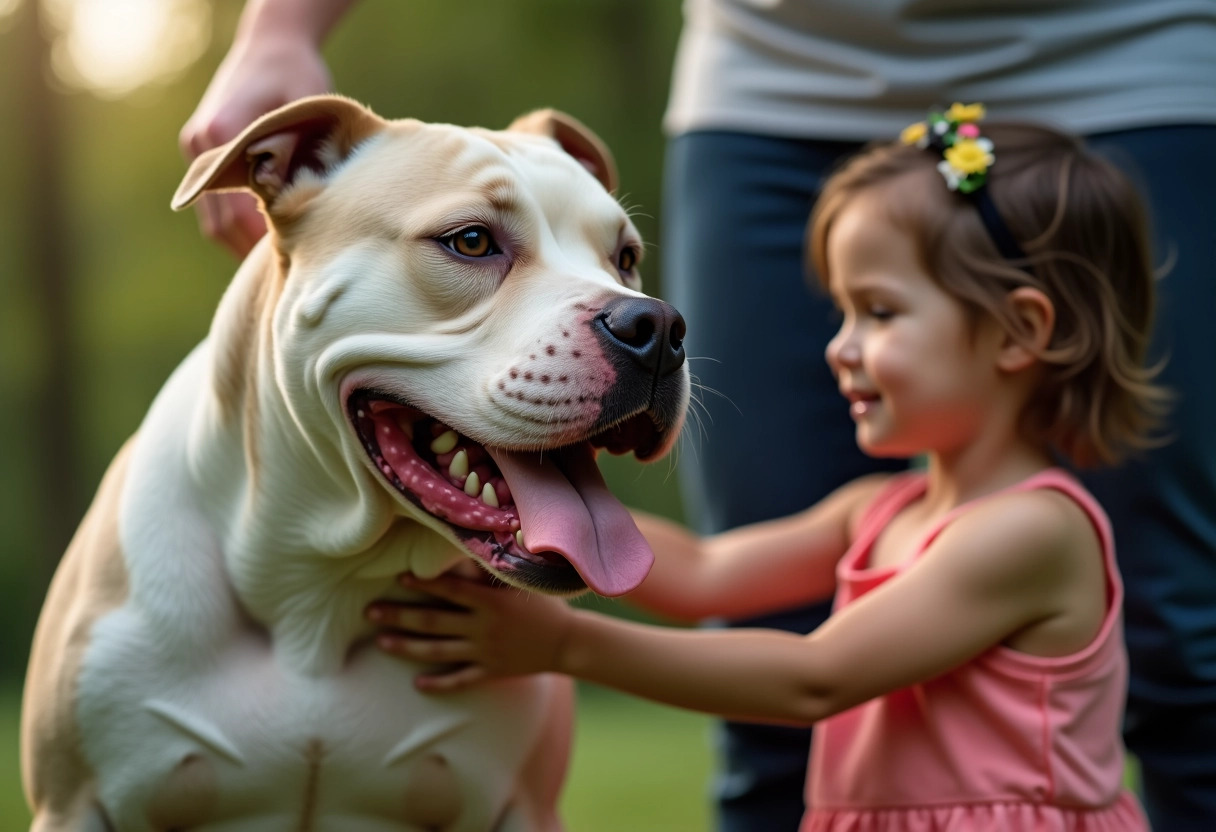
(843, 350)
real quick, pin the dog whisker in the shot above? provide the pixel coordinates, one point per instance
(631, 208)
(692, 444)
(696, 385)
(698, 411)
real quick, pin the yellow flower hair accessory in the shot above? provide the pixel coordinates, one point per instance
(965, 112)
(966, 158)
(917, 134)
(966, 155)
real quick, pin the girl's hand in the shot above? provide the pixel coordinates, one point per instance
(497, 631)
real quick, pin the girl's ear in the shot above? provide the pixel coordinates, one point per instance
(1036, 315)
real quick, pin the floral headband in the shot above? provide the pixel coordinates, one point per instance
(966, 158)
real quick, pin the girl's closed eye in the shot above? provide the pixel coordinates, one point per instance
(880, 311)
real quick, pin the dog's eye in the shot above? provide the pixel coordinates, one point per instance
(627, 259)
(474, 241)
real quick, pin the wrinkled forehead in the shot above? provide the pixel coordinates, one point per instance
(414, 172)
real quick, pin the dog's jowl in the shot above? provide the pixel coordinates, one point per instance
(412, 372)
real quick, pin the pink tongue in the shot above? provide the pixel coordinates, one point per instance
(565, 507)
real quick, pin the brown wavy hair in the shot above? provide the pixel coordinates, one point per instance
(1085, 234)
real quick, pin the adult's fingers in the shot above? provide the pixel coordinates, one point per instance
(198, 135)
(231, 219)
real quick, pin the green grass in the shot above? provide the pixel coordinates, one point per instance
(636, 766)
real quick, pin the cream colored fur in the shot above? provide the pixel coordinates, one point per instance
(202, 661)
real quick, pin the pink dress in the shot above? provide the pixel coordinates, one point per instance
(1008, 742)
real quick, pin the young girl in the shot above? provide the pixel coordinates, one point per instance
(972, 675)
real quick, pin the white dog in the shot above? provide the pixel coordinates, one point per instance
(413, 370)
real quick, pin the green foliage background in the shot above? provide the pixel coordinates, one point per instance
(141, 285)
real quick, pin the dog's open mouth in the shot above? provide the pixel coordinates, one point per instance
(541, 519)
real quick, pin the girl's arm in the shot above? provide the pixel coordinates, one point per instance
(753, 569)
(1007, 566)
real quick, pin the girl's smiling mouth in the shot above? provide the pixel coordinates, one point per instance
(860, 403)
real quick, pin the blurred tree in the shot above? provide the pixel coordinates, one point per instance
(42, 227)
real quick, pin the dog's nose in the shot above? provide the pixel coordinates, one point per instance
(648, 330)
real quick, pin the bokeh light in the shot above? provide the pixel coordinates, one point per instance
(114, 47)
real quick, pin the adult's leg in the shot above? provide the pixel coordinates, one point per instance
(1163, 506)
(775, 436)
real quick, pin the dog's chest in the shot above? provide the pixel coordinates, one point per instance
(239, 742)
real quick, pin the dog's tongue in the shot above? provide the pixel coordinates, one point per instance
(565, 507)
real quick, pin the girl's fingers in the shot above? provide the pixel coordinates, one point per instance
(460, 591)
(429, 650)
(454, 680)
(421, 619)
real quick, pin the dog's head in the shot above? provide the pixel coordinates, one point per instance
(457, 314)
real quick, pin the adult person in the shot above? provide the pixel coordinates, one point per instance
(767, 97)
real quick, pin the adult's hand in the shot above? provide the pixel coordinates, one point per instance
(275, 58)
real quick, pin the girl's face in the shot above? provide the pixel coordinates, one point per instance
(918, 377)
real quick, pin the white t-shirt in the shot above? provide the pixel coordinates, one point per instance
(864, 69)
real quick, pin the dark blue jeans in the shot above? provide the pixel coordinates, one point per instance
(1163, 506)
(778, 437)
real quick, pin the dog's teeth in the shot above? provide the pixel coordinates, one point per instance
(472, 486)
(460, 464)
(488, 496)
(519, 538)
(444, 442)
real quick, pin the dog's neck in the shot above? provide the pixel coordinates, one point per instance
(308, 538)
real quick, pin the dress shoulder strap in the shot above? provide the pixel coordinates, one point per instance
(893, 496)
(1054, 478)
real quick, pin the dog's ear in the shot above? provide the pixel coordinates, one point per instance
(309, 134)
(575, 138)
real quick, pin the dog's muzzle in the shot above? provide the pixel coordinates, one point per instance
(643, 338)
(544, 518)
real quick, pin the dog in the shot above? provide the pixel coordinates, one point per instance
(412, 372)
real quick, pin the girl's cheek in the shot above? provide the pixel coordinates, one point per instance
(887, 366)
